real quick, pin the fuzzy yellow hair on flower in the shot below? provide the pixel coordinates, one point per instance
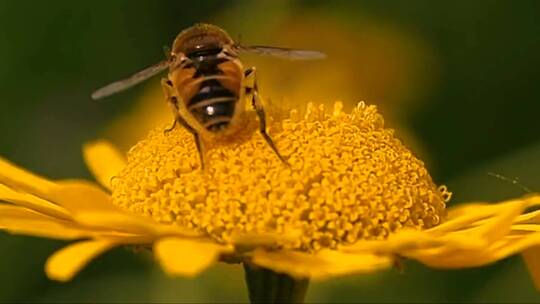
(353, 200)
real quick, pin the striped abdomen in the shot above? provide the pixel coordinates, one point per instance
(213, 104)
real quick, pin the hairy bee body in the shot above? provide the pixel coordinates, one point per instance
(209, 82)
(207, 86)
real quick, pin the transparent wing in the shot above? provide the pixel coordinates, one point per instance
(280, 52)
(127, 83)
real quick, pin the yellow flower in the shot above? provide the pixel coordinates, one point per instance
(353, 200)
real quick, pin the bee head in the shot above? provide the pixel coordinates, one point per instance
(200, 38)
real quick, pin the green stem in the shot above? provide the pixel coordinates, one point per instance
(266, 286)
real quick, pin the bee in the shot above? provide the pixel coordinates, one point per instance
(207, 86)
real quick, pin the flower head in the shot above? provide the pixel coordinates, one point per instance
(352, 200)
(349, 179)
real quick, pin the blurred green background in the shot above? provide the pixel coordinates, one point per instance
(459, 78)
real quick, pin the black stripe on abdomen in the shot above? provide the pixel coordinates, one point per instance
(213, 106)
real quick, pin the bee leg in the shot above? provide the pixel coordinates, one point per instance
(196, 137)
(262, 126)
(173, 104)
(198, 144)
(173, 125)
(172, 101)
(259, 108)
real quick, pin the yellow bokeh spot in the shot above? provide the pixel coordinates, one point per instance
(349, 179)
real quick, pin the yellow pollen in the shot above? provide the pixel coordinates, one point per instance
(349, 179)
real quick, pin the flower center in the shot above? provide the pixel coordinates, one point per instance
(349, 179)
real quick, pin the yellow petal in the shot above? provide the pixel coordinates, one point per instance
(19, 220)
(8, 211)
(42, 229)
(533, 216)
(22, 180)
(92, 207)
(444, 257)
(532, 260)
(132, 223)
(466, 215)
(511, 245)
(410, 240)
(499, 224)
(470, 215)
(77, 196)
(187, 257)
(68, 261)
(525, 228)
(322, 265)
(80, 197)
(32, 202)
(104, 161)
(484, 223)
(472, 236)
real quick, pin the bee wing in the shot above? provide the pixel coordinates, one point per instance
(285, 53)
(127, 83)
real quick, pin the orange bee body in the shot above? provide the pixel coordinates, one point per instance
(207, 86)
(207, 79)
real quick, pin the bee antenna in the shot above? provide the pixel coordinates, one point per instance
(514, 181)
